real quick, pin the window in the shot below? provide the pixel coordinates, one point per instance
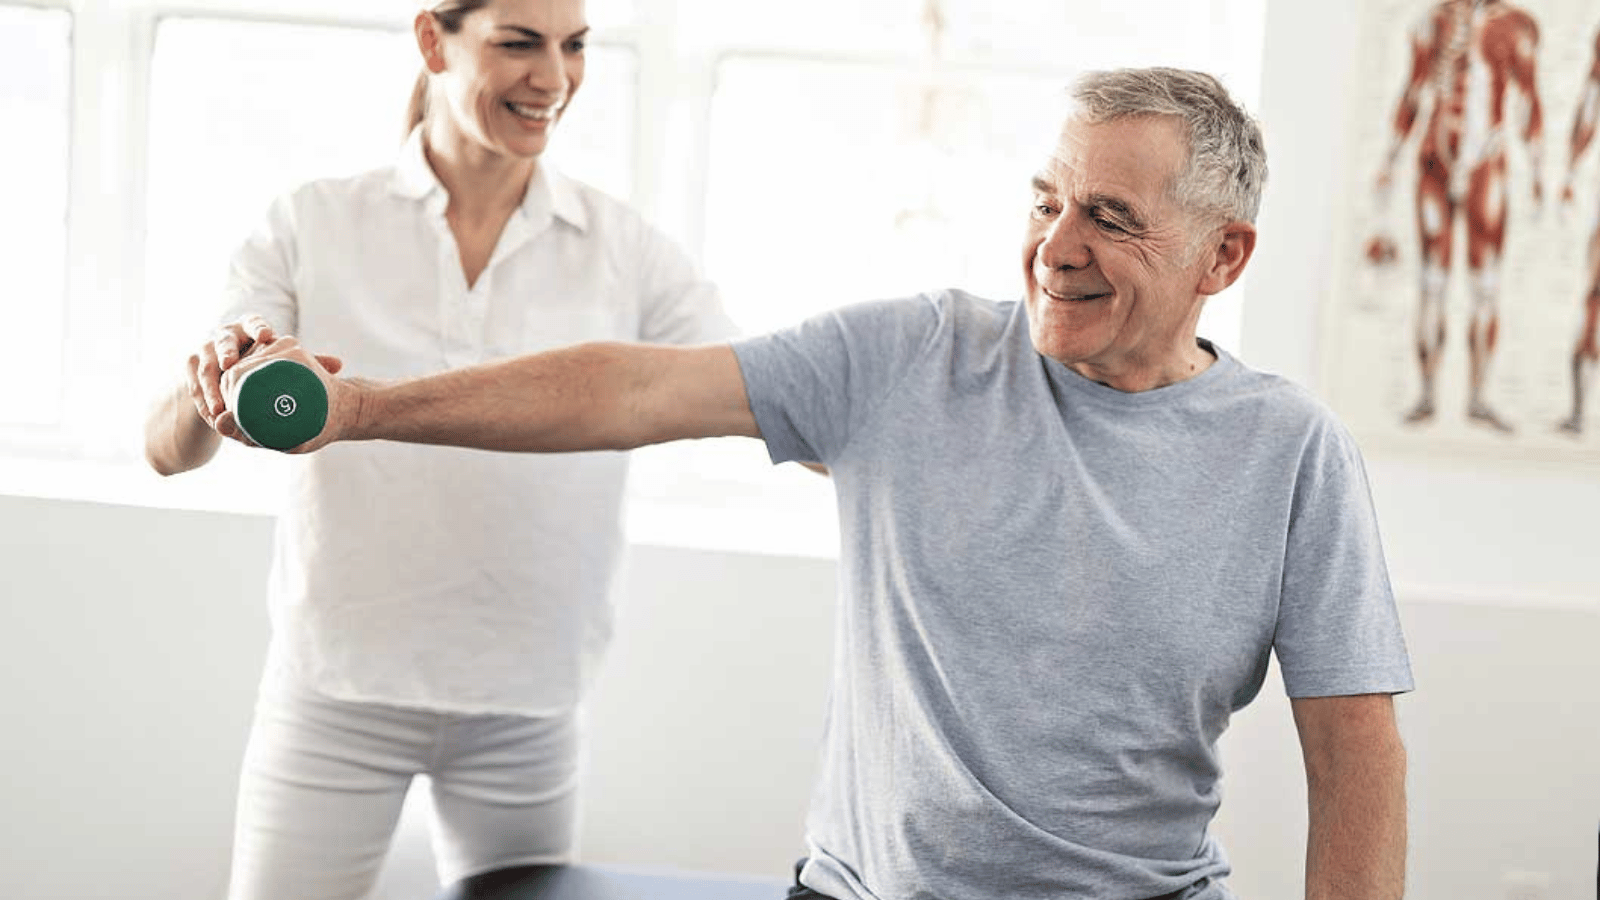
(856, 173)
(809, 154)
(1044, 35)
(884, 183)
(241, 111)
(35, 92)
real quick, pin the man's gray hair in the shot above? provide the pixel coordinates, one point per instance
(1227, 164)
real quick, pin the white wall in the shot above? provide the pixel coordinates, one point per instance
(1497, 532)
(1494, 563)
(131, 639)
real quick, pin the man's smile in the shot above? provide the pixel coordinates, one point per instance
(1073, 296)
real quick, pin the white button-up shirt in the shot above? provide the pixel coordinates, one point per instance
(437, 577)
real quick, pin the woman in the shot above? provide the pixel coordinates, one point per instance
(436, 611)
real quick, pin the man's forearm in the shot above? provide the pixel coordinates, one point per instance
(1356, 847)
(577, 398)
(600, 396)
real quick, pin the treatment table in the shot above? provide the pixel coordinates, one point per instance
(611, 883)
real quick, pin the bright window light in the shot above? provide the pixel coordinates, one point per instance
(1039, 34)
(594, 142)
(35, 83)
(242, 111)
(835, 182)
(1084, 34)
(840, 26)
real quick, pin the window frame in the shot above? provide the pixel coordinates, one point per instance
(45, 437)
(33, 432)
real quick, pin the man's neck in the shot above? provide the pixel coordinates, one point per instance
(1140, 376)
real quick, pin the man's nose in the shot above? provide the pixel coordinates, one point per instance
(1063, 246)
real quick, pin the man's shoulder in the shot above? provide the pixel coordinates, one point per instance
(968, 317)
(972, 306)
(1278, 399)
(947, 317)
(949, 307)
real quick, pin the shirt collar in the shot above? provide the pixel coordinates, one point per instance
(561, 196)
(549, 192)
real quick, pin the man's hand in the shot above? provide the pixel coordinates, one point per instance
(341, 400)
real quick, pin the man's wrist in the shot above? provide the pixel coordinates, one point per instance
(358, 398)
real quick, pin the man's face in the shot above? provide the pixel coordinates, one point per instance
(1111, 279)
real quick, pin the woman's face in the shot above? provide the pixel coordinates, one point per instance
(505, 78)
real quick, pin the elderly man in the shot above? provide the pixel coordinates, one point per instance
(1073, 533)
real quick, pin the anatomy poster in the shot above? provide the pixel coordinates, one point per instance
(1469, 260)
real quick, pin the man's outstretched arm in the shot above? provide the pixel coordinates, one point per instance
(602, 396)
(1356, 793)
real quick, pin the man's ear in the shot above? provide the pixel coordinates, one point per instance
(430, 41)
(1230, 249)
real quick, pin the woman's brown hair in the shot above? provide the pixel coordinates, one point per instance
(450, 14)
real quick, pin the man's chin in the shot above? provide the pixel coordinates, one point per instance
(1048, 344)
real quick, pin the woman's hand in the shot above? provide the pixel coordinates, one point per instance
(206, 366)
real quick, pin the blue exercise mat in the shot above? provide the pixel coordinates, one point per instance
(603, 883)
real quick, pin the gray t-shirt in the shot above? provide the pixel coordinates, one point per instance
(1054, 594)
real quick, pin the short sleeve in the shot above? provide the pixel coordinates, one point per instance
(1338, 630)
(261, 273)
(813, 386)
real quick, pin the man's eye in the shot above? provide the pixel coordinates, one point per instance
(575, 46)
(518, 45)
(1043, 210)
(1109, 225)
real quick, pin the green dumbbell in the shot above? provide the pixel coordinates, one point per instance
(280, 405)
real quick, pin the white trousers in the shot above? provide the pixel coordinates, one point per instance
(324, 780)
